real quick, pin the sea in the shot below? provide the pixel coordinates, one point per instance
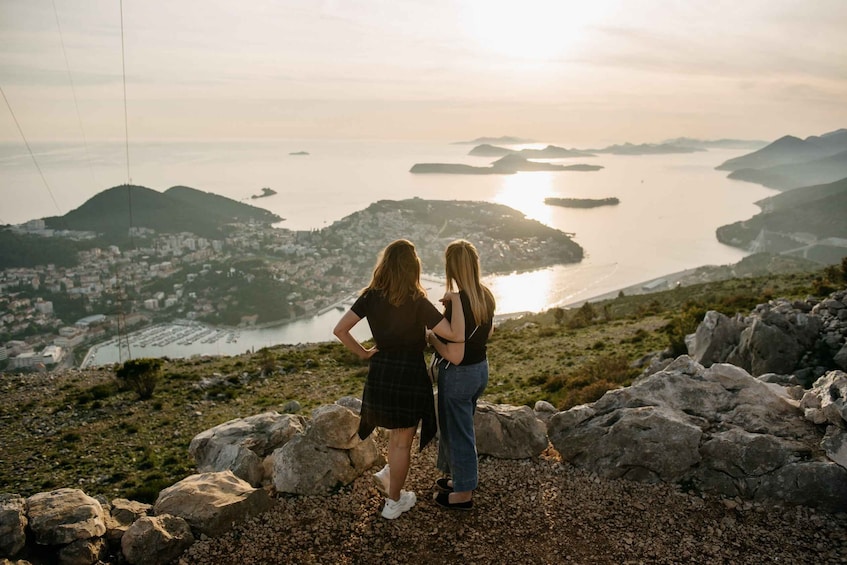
(670, 206)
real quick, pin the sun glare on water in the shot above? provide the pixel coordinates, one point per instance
(526, 192)
(536, 30)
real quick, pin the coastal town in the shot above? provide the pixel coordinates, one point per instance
(254, 274)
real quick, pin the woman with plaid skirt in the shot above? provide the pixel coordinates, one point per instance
(398, 393)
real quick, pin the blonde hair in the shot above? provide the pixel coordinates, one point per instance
(397, 273)
(461, 263)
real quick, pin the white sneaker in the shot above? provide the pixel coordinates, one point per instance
(393, 509)
(382, 480)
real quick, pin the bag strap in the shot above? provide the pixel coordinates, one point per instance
(446, 362)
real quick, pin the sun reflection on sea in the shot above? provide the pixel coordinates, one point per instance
(523, 292)
(526, 192)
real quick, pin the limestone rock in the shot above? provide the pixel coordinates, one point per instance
(83, 552)
(716, 336)
(350, 402)
(122, 515)
(544, 411)
(835, 444)
(647, 443)
(212, 502)
(821, 484)
(65, 515)
(12, 524)
(826, 401)
(840, 358)
(567, 420)
(240, 445)
(303, 466)
(508, 432)
(334, 426)
(156, 539)
(719, 429)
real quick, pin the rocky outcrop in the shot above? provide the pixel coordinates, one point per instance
(212, 502)
(12, 524)
(63, 516)
(241, 445)
(800, 338)
(826, 404)
(122, 514)
(156, 539)
(328, 455)
(718, 429)
(508, 432)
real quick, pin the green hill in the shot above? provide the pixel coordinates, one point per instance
(180, 209)
(789, 149)
(787, 177)
(818, 210)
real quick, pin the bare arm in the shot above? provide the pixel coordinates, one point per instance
(453, 352)
(342, 332)
(454, 330)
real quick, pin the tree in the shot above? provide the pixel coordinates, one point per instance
(267, 362)
(140, 375)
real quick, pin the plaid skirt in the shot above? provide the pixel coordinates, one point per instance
(398, 394)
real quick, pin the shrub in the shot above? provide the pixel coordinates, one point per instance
(140, 376)
(583, 317)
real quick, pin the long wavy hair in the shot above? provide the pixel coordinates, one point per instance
(397, 273)
(461, 263)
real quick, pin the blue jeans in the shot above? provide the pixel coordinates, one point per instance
(459, 387)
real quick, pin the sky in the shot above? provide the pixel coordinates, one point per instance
(584, 72)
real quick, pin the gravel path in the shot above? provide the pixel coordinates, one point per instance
(539, 511)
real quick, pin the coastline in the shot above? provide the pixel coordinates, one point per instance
(664, 282)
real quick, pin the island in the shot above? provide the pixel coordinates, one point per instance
(299, 153)
(507, 139)
(265, 193)
(647, 149)
(549, 152)
(456, 169)
(581, 202)
(507, 165)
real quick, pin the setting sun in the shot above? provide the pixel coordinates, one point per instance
(537, 30)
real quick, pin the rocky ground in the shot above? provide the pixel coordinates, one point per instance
(541, 511)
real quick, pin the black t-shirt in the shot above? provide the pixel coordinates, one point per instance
(476, 336)
(397, 328)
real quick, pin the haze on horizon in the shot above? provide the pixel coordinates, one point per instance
(580, 73)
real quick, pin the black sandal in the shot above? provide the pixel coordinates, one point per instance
(443, 484)
(443, 499)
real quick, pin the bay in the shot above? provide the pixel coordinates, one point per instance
(670, 205)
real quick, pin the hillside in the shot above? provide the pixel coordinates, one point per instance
(788, 150)
(58, 429)
(647, 149)
(821, 216)
(507, 239)
(794, 175)
(178, 209)
(65, 429)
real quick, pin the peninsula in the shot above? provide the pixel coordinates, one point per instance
(244, 272)
(507, 165)
(581, 202)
